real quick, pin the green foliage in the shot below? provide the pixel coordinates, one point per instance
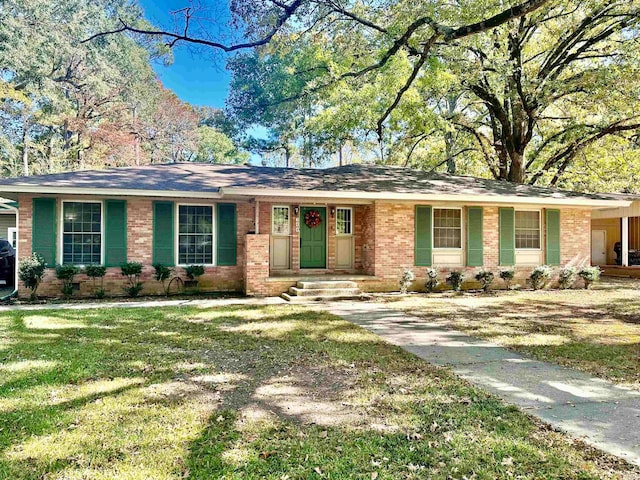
(213, 146)
(589, 275)
(132, 272)
(406, 279)
(567, 277)
(540, 276)
(30, 271)
(485, 277)
(193, 272)
(94, 272)
(432, 281)
(162, 274)
(455, 279)
(507, 276)
(67, 273)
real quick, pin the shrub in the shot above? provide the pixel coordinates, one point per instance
(507, 276)
(93, 272)
(432, 280)
(567, 277)
(163, 273)
(540, 276)
(67, 273)
(485, 277)
(31, 271)
(194, 272)
(406, 279)
(455, 279)
(589, 275)
(132, 271)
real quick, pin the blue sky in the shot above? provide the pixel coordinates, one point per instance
(197, 77)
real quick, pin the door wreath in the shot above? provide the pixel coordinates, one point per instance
(312, 218)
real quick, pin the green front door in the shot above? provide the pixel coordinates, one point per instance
(313, 241)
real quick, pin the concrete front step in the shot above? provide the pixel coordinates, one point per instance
(324, 292)
(316, 298)
(326, 285)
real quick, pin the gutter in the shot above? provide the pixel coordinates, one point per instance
(119, 192)
(421, 197)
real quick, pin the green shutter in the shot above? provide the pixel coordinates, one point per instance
(226, 242)
(507, 237)
(163, 234)
(553, 237)
(115, 236)
(43, 229)
(423, 257)
(475, 244)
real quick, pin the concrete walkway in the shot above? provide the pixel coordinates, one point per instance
(600, 413)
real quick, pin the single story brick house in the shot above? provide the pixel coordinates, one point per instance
(259, 230)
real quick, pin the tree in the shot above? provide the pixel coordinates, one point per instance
(213, 146)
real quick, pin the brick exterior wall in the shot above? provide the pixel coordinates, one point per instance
(139, 249)
(383, 247)
(256, 268)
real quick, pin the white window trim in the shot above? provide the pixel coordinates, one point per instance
(350, 222)
(288, 207)
(433, 230)
(13, 230)
(61, 230)
(539, 249)
(213, 233)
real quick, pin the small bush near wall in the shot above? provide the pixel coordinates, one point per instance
(406, 279)
(485, 277)
(567, 277)
(30, 271)
(194, 272)
(540, 276)
(94, 272)
(132, 272)
(507, 277)
(589, 275)
(455, 279)
(67, 273)
(432, 281)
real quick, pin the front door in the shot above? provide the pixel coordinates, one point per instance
(313, 240)
(598, 247)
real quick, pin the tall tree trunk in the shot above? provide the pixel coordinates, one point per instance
(25, 145)
(136, 136)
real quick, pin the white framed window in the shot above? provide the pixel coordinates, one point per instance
(447, 228)
(280, 220)
(344, 221)
(195, 234)
(82, 233)
(527, 225)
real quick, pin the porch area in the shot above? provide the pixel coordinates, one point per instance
(615, 240)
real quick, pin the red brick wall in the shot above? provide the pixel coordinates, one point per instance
(256, 269)
(140, 249)
(383, 242)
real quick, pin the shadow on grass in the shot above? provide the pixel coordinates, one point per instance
(246, 392)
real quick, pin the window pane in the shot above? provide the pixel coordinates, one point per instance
(195, 234)
(527, 229)
(343, 221)
(447, 228)
(280, 223)
(81, 233)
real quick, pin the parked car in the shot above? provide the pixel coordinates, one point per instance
(7, 263)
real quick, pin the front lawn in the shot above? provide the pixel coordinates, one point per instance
(251, 392)
(597, 331)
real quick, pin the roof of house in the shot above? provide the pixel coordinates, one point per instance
(210, 180)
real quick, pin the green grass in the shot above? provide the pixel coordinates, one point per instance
(251, 392)
(596, 331)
